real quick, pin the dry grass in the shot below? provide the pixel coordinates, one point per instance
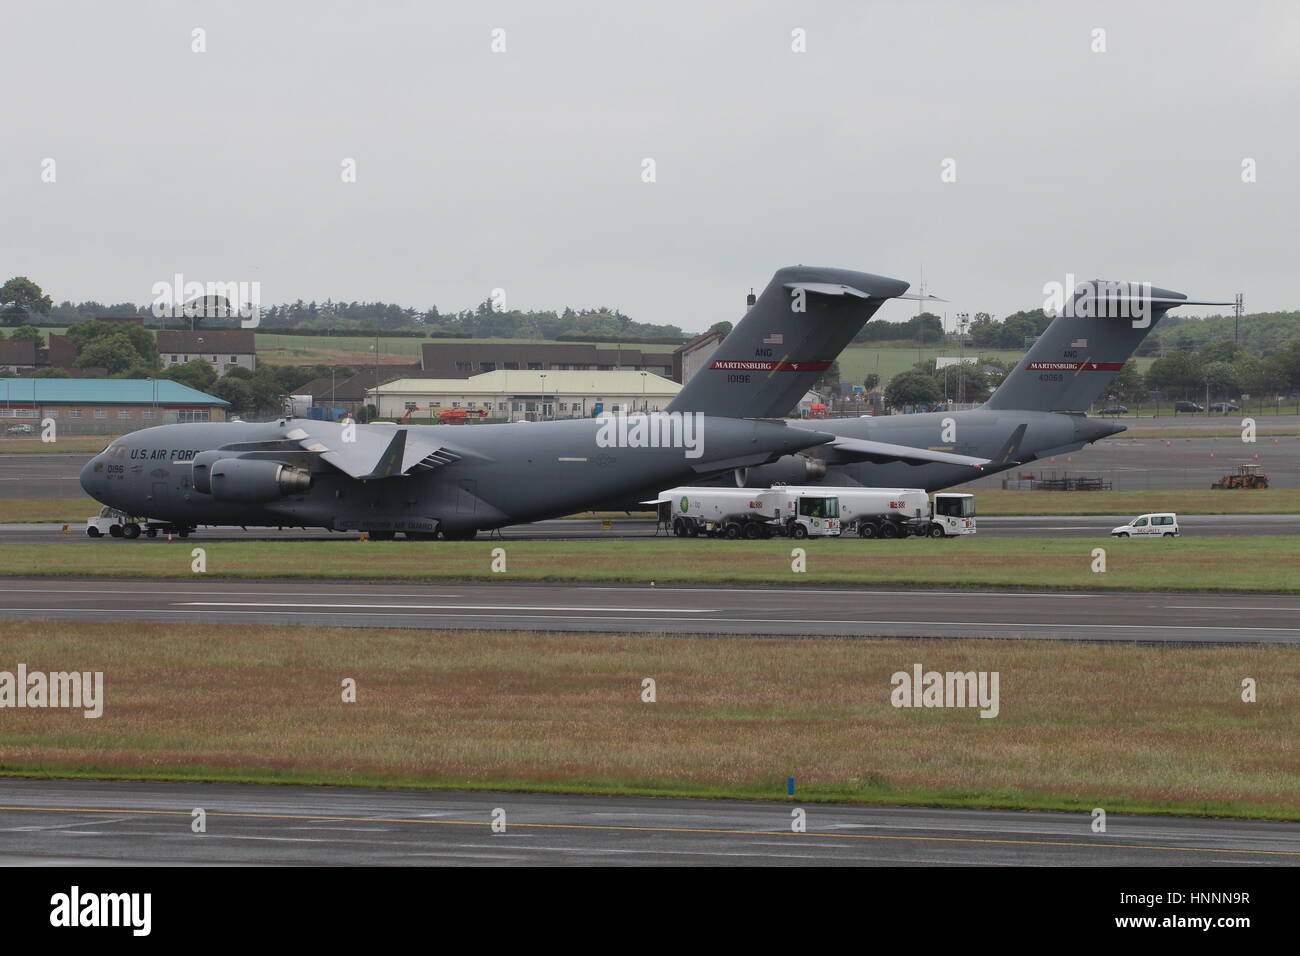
(1080, 726)
(1266, 564)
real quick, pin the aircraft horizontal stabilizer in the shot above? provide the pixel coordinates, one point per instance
(919, 297)
(840, 288)
(846, 450)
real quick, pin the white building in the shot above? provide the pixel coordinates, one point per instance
(525, 395)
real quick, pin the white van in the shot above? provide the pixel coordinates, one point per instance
(1155, 525)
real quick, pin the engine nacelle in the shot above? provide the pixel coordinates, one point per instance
(790, 470)
(250, 480)
(201, 469)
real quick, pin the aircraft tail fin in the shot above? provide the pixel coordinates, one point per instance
(799, 325)
(1098, 330)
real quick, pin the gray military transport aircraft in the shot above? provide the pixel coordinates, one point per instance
(455, 480)
(1038, 411)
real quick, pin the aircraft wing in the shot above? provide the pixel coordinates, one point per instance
(375, 452)
(844, 450)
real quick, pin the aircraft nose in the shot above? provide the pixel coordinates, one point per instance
(90, 475)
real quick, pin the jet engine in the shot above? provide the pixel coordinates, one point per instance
(249, 480)
(789, 470)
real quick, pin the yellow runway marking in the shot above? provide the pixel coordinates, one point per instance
(626, 829)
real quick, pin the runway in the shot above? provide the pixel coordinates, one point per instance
(807, 612)
(149, 824)
(1029, 526)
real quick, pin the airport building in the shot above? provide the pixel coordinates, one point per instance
(223, 349)
(525, 395)
(104, 406)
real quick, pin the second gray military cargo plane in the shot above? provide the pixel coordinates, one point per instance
(1038, 411)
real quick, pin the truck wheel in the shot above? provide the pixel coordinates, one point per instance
(936, 531)
(151, 532)
(866, 530)
(1168, 534)
(732, 531)
(115, 530)
(679, 527)
(692, 530)
(1122, 534)
(132, 530)
(94, 532)
(887, 530)
(799, 531)
(753, 531)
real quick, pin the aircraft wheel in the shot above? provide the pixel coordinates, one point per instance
(94, 532)
(467, 535)
(132, 530)
(753, 531)
(184, 533)
(799, 531)
(732, 531)
(115, 530)
(936, 531)
(151, 532)
(421, 535)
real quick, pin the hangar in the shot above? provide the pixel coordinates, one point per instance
(107, 406)
(526, 394)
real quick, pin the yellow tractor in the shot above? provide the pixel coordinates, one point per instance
(1247, 476)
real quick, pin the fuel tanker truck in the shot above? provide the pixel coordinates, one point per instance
(749, 512)
(900, 512)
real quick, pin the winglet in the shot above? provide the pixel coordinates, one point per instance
(1010, 452)
(389, 464)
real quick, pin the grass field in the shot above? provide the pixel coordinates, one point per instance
(1267, 564)
(1130, 729)
(78, 444)
(1122, 504)
(46, 510)
(359, 349)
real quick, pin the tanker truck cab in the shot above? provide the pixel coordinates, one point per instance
(816, 513)
(952, 513)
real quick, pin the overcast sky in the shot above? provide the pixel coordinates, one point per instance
(523, 170)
